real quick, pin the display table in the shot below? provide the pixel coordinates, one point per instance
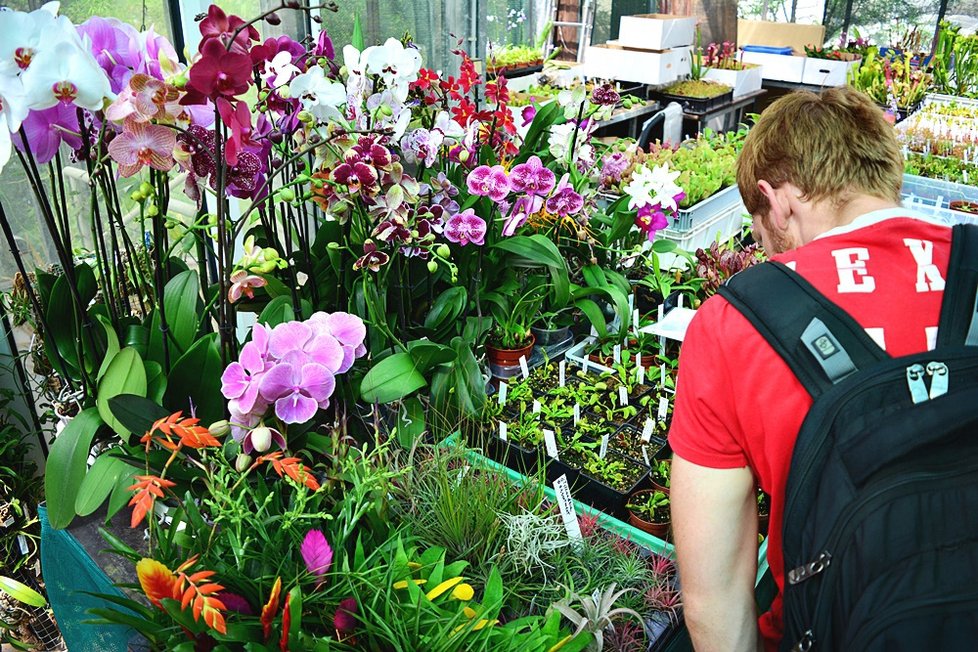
(633, 119)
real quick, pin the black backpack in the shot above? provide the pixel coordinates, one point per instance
(881, 510)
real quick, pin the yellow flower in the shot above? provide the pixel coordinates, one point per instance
(444, 586)
(561, 643)
(469, 612)
(413, 565)
(463, 592)
(485, 622)
(403, 583)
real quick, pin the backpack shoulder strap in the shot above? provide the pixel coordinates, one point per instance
(959, 307)
(820, 342)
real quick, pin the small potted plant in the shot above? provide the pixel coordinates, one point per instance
(649, 511)
(611, 479)
(511, 337)
(696, 94)
(964, 206)
(661, 471)
(628, 441)
(724, 66)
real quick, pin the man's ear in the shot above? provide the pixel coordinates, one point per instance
(778, 201)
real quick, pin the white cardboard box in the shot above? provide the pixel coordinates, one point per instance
(656, 31)
(742, 82)
(612, 61)
(827, 72)
(780, 67)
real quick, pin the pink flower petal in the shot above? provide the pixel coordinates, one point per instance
(348, 329)
(234, 381)
(277, 382)
(325, 350)
(316, 553)
(288, 337)
(317, 382)
(295, 408)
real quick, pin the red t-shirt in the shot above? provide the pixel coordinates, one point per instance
(738, 404)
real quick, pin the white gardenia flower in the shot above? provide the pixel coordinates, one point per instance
(319, 96)
(66, 73)
(397, 65)
(279, 71)
(651, 187)
(23, 36)
(13, 110)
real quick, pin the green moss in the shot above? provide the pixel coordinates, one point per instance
(699, 88)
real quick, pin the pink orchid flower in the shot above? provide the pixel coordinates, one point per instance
(532, 177)
(141, 144)
(466, 227)
(243, 283)
(489, 182)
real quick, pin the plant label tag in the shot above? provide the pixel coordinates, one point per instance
(604, 446)
(616, 353)
(662, 312)
(503, 431)
(662, 375)
(562, 369)
(663, 408)
(551, 443)
(503, 387)
(623, 395)
(536, 406)
(645, 455)
(22, 543)
(594, 331)
(577, 413)
(679, 302)
(7, 523)
(584, 363)
(940, 200)
(567, 511)
(631, 302)
(524, 369)
(636, 318)
(647, 430)
(641, 374)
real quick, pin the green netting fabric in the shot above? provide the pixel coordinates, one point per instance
(69, 573)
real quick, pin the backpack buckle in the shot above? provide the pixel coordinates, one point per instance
(806, 643)
(805, 571)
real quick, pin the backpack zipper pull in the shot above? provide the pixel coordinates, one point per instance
(915, 380)
(803, 572)
(941, 376)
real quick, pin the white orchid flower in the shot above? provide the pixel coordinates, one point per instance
(447, 126)
(394, 115)
(319, 96)
(397, 65)
(651, 187)
(13, 110)
(23, 36)
(358, 85)
(66, 73)
(280, 70)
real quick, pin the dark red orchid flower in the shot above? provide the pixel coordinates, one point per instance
(368, 151)
(238, 119)
(218, 26)
(357, 177)
(218, 73)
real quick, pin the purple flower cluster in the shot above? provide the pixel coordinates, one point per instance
(291, 367)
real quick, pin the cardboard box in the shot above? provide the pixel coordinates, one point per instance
(793, 35)
(612, 61)
(743, 82)
(827, 72)
(656, 31)
(779, 67)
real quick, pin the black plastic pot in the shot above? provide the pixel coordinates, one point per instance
(514, 456)
(550, 337)
(596, 493)
(696, 105)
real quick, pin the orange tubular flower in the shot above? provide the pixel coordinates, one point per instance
(291, 466)
(157, 581)
(283, 644)
(189, 433)
(203, 599)
(148, 489)
(271, 608)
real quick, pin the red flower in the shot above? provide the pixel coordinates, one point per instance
(426, 79)
(467, 77)
(220, 27)
(496, 91)
(345, 618)
(148, 488)
(463, 112)
(270, 608)
(238, 118)
(283, 643)
(218, 73)
(504, 120)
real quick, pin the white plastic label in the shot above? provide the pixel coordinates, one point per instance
(679, 303)
(567, 511)
(577, 413)
(503, 430)
(662, 375)
(641, 374)
(645, 455)
(636, 320)
(616, 353)
(562, 368)
(647, 430)
(503, 387)
(524, 369)
(604, 446)
(22, 542)
(536, 406)
(551, 443)
(663, 408)
(584, 363)
(623, 395)
(662, 311)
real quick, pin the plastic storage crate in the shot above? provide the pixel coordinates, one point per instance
(932, 197)
(720, 226)
(687, 219)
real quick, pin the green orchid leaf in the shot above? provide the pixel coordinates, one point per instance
(67, 464)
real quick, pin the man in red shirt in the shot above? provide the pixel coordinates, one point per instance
(821, 176)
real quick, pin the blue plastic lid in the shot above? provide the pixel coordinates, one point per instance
(767, 49)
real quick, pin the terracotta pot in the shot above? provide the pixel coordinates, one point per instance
(658, 487)
(659, 530)
(509, 357)
(964, 206)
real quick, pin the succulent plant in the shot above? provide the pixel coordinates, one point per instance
(595, 612)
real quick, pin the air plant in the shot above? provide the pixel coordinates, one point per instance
(595, 612)
(532, 537)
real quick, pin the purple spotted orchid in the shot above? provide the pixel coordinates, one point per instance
(565, 200)
(466, 227)
(532, 177)
(491, 182)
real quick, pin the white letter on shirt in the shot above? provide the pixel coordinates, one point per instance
(851, 263)
(928, 276)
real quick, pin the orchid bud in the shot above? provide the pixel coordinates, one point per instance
(242, 462)
(343, 71)
(291, 4)
(211, 219)
(273, 19)
(152, 210)
(261, 439)
(463, 156)
(219, 428)
(432, 266)
(146, 188)
(287, 194)
(385, 110)
(284, 92)
(179, 81)
(304, 116)
(267, 267)
(443, 251)
(137, 196)
(270, 253)
(333, 245)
